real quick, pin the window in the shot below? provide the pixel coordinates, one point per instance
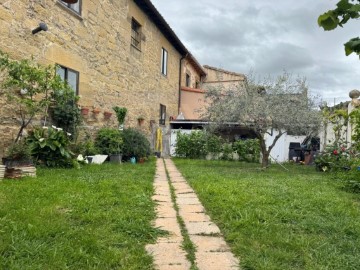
(164, 57)
(75, 7)
(162, 114)
(188, 80)
(197, 85)
(70, 76)
(135, 34)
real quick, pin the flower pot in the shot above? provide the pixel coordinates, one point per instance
(84, 111)
(141, 121)
(96, 111)
(115, 158)
(107, 115)
(141, 160)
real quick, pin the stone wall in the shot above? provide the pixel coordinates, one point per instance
(97, 44)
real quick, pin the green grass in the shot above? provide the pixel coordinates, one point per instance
(98, 217)
(277, 219)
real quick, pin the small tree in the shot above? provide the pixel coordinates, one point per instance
(30, 87)
(265, 106)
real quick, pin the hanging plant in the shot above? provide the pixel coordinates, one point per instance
(120, 114)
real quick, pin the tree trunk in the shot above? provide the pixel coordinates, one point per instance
(265, 159)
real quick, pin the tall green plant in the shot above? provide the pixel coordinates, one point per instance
(109, 141)
(120, 114)
(65, 111)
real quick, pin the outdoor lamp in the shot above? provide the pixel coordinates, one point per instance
(70, 1)
(42, 27)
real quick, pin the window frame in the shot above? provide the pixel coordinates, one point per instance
(135, 34)
(66, 69)
(164, 61)
(187, 80)
(69, 6)
(162, 118)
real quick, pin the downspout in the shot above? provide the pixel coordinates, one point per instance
(180, 68)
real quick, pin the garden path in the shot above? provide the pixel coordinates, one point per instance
(212, 252)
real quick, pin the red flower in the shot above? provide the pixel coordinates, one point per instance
(343, 149)
(335, 152)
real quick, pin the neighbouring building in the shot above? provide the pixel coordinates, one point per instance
(113, 53)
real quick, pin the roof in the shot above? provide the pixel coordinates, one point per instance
(192, 60)
(224, 71)
(160, 22)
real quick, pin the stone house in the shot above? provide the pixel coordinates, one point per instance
(113, 53)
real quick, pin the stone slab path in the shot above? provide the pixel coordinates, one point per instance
(212, 252)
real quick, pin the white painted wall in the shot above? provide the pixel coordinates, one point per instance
(280, 152)
(173, 138)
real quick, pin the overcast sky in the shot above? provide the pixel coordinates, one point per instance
(268, 37)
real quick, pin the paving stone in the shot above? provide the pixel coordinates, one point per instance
(164, 210)
(216, 261)
(168, 256)
(169, 224)
(161, 198)
(182, 201)
(195, 217)
(206, 228)
(191, 208)
(209, 243)
(186, 195)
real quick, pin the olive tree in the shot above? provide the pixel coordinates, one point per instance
(271, 106)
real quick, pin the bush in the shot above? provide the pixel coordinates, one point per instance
(66, 115)
(109, 141)
(248, 150)
(50, 147)
(135, 144)
(334, 158)
(191, 145)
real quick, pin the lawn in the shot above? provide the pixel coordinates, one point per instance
(277, 219)
(98, 217)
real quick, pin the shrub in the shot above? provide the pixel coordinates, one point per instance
(334, 158)
(191, 145)
(19, 151)
(248, 150)
(66, 114)
(120, 114)
(109, 141)
(50, 147)
(135, 144)
(227, 152)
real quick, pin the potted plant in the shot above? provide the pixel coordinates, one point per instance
(120, 114)
(109, 141)
(18, 154)
(18, 161)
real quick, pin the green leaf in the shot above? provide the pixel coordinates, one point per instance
(344, 5)
(328, 21)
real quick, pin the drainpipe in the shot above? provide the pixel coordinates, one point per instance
(179, 101)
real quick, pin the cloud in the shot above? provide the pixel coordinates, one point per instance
(268, 37)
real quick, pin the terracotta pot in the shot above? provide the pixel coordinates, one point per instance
(84, 111)
(107, 115)
(140, 121)
(96, 111)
